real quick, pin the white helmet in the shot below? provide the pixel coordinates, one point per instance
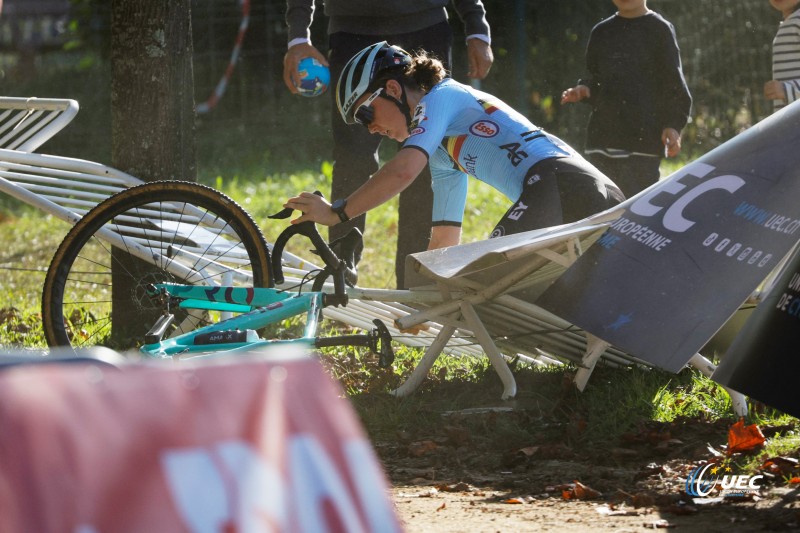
(370, 64)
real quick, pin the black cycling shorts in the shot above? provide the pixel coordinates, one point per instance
(557, 191)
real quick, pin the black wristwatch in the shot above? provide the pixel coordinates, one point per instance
(338, 207)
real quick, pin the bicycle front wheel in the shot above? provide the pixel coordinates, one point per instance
(160, 232)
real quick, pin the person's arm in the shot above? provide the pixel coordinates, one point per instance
(676, 99)
(476, 27)
(788, 38)
(449, 185)
(583, 89)
(389, 181)
(444, 236)
(299, 14)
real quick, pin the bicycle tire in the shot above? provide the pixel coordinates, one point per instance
(182, 226)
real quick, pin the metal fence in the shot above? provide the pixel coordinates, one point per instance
(539, 48)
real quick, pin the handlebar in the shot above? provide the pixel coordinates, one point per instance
(340, 256)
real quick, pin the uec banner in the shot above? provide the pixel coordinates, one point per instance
(688, 251)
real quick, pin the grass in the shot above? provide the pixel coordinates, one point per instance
(615, 402)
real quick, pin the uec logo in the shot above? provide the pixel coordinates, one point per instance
(731, 485)
(674, 219)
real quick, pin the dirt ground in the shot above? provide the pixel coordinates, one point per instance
(461, 479)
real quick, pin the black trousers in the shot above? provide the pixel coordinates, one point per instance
(355, 150)
(633, 173)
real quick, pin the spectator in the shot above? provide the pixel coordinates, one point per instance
(784, 88)
(639, 98)
(460, 132)
(414, 25)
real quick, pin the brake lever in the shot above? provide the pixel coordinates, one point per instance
(286, 212)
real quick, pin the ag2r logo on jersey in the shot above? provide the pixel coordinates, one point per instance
(484, 128)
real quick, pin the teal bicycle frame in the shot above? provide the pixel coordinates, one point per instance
(261, 307)
(258, 307)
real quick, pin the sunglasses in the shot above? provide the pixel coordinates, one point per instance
(365, 114)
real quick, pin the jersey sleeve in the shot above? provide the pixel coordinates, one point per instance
(449, 186)
(432, 118)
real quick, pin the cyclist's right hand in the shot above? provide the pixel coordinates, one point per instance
(313, 208)
(575, 94)
(293, 56)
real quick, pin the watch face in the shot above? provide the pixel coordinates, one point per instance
(338, 207)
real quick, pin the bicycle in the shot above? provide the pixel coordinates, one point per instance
(193, 273)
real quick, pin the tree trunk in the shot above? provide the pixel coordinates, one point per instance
(152, 89)
(152, 116)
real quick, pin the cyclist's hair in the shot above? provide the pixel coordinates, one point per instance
(424, 71)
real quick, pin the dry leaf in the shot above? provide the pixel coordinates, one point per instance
(579, 491)
(422, 447)
(455, 487)
(743, 438)
(528, 451)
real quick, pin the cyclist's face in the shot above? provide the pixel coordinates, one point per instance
(387, 119)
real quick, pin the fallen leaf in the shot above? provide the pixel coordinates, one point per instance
(415, 330)
(743, 438)
(455, 487)
(515, 501)
(780, 466)
(528, 451)
(422, 447)
(579, 491)
(441, 507)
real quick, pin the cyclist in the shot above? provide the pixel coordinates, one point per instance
(460, 131)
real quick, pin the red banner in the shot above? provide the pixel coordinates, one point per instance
(251, 445)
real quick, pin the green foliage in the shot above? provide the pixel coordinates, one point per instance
(699, 398)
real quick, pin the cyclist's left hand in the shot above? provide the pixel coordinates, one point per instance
(314, 208)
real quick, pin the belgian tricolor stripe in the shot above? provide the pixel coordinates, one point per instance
(488, 107)
(453, 147)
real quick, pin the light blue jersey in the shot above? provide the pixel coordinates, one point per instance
(466, 132)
